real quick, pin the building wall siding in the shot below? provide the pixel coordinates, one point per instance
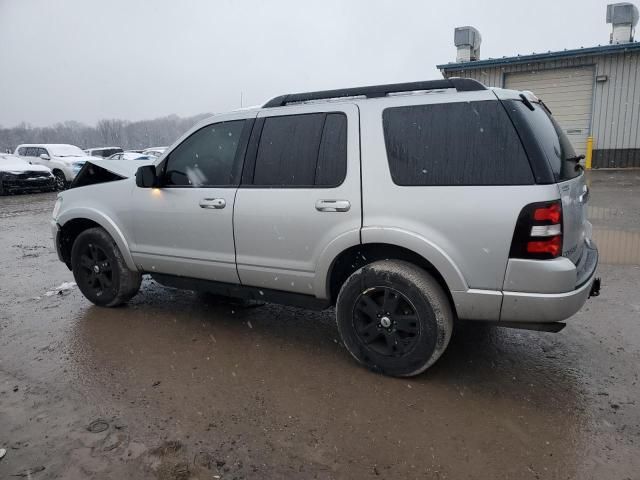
(615, 124)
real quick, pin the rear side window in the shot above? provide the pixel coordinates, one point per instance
(22, 151)
(552, 139)
(470, 143)
(302, 151)
(32, 152)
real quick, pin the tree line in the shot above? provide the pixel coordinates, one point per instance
(107, 133)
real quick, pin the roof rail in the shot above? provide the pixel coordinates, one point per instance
(376, 91)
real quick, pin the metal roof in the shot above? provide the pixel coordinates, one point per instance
(542, 57)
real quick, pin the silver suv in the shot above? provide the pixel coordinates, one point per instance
(405, 206)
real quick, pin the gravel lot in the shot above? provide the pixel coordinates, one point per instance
(173, 386)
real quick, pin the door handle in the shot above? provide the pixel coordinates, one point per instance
(333, 205)
(217, 203)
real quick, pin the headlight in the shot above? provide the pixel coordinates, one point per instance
(56, 208)
(76, 167)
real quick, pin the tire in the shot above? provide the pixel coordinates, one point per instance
(113, 283)
(394, 318)
(61, 181)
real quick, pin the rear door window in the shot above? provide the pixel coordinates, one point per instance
(331, 168)
(305, 150)
(465, 143)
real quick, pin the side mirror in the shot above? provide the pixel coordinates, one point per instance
(146, 177)
(44, 156)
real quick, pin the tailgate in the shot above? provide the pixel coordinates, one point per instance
(574, 194)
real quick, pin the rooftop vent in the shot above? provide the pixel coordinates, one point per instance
(623, 18)
(467, 40)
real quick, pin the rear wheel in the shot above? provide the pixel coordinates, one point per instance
(394, 318)
(61, 181)
(100, 270)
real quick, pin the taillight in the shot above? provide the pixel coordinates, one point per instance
(538, 233)
(551, 213)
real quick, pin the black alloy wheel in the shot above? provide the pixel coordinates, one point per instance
(100, 270)
(386, 321)
(95, 269)
(394, 317)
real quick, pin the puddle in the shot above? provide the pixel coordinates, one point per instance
(600, 213)
(617, 247)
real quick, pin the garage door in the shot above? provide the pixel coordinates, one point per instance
(568, 92)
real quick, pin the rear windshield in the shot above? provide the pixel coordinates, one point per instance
(466, 143)
(552, 139)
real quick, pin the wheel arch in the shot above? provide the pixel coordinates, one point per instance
(74, 222)
(357, 256)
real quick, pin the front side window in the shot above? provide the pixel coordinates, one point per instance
(304, 150)
(206, 158)
(466, 143)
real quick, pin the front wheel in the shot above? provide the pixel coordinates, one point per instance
(394, 318)
(100, 270)
(61, 181)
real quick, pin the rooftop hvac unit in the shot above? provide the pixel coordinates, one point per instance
(467, 40)
(623, 18)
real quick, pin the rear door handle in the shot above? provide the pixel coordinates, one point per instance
(217, 203)
(333, 205)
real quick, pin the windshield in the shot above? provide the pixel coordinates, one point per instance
(65, 151)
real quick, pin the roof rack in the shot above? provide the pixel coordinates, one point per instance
(376, 91)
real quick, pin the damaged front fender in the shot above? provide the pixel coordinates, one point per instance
(102, 171)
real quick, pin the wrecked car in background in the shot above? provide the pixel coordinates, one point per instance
(65, 161)
(18, 175)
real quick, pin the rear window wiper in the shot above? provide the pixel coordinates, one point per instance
(526, 101)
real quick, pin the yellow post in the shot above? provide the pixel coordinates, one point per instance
(587, 162)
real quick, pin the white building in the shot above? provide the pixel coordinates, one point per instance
(594, 92)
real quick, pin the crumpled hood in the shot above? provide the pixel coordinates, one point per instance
(72, 160)
(19, 165)
(124, 168)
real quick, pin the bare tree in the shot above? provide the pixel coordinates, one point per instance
(107, 132)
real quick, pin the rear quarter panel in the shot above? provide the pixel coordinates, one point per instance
(464, 231)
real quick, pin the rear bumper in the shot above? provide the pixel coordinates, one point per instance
(551, 307)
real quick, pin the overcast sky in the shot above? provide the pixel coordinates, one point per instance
(89, 59)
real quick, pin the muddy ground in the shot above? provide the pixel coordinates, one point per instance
(172, 387)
